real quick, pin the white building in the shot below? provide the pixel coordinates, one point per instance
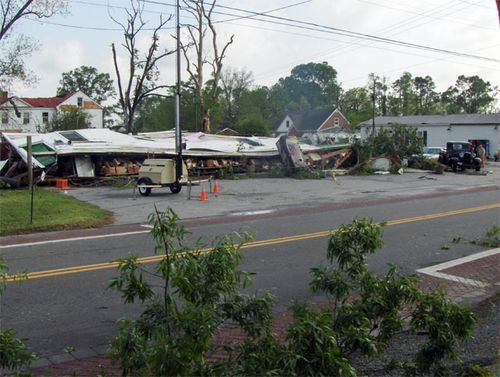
(436, 130)
(34, 114)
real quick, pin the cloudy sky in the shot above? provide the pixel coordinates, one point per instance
(442, 38)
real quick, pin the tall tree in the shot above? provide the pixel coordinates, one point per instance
(425, 96)
(403, 88)
(471, 94)
(140, 79)
(315, 83)
(234, 84)
(98, 86)
(202, 29)
(15, 49)
(356, 105)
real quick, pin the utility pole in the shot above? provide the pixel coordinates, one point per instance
(373, 105)
(178, 134)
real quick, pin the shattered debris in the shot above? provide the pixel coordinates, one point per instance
(94, 153)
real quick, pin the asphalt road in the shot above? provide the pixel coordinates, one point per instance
(61, 306)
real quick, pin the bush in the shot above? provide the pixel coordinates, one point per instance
(254, 125)
(197, 290)
(13, 353)
(401, 140)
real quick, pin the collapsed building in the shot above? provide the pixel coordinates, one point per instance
(95, 153)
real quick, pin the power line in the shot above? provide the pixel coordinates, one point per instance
(428, 15)
(332, 30)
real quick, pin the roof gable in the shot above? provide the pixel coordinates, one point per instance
(310, 120)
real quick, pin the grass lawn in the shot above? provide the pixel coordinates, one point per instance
(52, 210)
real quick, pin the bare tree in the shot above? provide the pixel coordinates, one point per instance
(202, 29)
(140, 80)
(14, 51)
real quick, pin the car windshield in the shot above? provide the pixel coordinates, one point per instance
(460, 146)
(429, 150)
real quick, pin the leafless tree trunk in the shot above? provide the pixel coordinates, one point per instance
(140, 80)
(203, 28)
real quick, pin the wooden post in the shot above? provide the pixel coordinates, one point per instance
(30, 173)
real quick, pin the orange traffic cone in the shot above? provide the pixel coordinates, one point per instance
(216, 188)
(203, 195)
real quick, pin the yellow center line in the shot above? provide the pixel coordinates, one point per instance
(247, 245)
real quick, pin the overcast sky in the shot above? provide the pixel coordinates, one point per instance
(270, 47)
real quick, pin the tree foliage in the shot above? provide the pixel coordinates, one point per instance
(312, 85)
(470, 95)
(98, 86)
(193, 291)
(15, 49)
(69, 120)
(400, 140)
(187, 296)
(253, 126)
(13, 353)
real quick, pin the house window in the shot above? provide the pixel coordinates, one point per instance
(336, 122)
(26, 118)
(5, 117)
(45, 118)
(287, 123)
(80, 101)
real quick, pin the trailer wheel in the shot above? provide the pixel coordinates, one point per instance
(175, 188)
(144, 191)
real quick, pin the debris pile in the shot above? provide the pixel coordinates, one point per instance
(95, 153)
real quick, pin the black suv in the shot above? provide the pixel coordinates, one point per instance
(459, 155)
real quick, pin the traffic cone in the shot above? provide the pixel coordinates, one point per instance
(216, 189)
(203, 195)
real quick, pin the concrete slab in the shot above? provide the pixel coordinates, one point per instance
(257, 194)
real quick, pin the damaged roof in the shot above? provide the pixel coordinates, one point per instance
(104, 141)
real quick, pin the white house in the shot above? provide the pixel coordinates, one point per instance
(34, 114)
(436, 130)
(315, 124)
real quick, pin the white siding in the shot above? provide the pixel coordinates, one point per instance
(437, 136)
(282, 128)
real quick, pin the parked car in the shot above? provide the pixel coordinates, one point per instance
(459, 155)
(432, 153)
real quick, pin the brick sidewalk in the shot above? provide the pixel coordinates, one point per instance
(469, 280)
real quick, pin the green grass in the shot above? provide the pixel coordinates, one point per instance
(52, 211)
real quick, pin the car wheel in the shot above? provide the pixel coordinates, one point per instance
(144, 191)
(175, 188)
